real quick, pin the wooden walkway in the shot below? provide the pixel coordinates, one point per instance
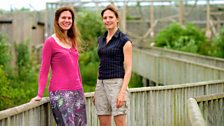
(166, 105)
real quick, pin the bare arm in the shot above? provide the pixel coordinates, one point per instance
(128, 69)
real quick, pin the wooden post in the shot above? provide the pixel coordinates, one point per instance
(208, 31)
(151, 18)
(181, 13)
(123, 17)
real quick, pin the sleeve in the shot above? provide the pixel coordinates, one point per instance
(79, 73)
(80, 76)
(124, 40)
(45, 65)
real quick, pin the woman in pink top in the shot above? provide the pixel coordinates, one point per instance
(61, 55)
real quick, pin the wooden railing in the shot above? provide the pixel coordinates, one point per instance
(149, 106)
(167, 70)
(194, 113)
(29, 114)
(195, 58)
(207, 110)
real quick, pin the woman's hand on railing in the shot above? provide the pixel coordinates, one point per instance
(37, 98)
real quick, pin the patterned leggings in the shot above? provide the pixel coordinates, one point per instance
(68, 107)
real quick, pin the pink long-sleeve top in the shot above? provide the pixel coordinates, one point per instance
(64, 66)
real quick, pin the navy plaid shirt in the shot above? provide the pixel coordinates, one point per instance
(111, 56)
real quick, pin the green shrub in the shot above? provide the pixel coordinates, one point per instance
(168, 36)
(24, 84)
(22, 62)
(5, 91)
(4, 53)
(91, 27)
(27, 68)
(135, 81)
(218, 45)
(188, 39)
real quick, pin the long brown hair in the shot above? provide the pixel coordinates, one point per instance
(72, 33)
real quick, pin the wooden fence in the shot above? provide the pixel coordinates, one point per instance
(149, 106)
(207, 110)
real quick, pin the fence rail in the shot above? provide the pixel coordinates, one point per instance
(196, 58)
(209, 109)
(149, 106)
(194, 113)
(168, 70)
(29, 114)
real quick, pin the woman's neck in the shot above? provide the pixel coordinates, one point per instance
(111, 32)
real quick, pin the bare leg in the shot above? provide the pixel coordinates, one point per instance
(105, 120)
(120, 120)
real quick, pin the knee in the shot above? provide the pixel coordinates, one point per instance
(120, 120)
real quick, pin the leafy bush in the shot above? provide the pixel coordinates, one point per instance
(27, 68)
(22, 54)
(4, 53)
(89, 75)
(91, 27)
(135, 81)
(22, 86)
(218, 45)
(189, 38)
(5, 97)
(168, 36)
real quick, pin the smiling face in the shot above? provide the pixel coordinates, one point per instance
(65, 20)
(110, 20)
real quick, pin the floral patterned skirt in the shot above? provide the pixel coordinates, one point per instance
(68, 107)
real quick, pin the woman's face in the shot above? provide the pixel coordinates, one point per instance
(65, 20)
(110, 20)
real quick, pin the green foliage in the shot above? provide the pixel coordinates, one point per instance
(218, 45)
(23, 91)
(22, 86)
(188, 39)
(25, 83)
(4, 52)
(5, 91)
(24, 9)
(168, 36)
(89, 57)
(27, 69)
(90, 26)
(136, 81)
(89, 73)
(22, 55)
(88, 62)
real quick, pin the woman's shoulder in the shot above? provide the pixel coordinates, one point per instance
(122, 34)
(49, 39)
(48, 42)
(124, 37)
(103, 35)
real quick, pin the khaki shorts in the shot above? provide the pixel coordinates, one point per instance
(106, 95)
